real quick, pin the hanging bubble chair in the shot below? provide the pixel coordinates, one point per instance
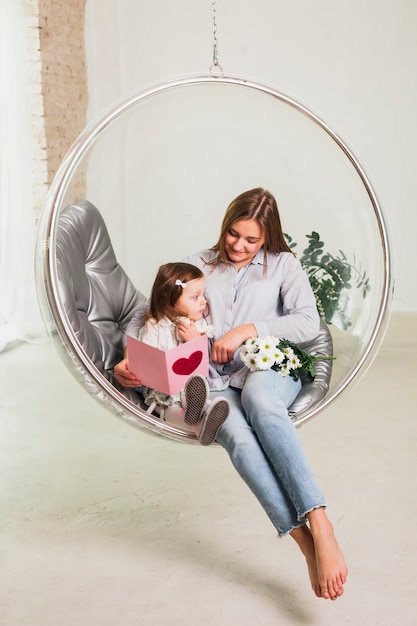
(149, 183)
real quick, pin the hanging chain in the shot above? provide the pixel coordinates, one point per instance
(216, 65)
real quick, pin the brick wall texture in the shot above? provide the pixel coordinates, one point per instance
(59, 96)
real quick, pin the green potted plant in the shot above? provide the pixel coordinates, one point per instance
(329, 277)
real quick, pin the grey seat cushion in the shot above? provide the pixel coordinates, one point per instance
(97, 294)
(312, 392)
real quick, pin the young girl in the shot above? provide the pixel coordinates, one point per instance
(176, 315)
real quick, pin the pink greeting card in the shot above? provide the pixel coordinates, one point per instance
(168, 371)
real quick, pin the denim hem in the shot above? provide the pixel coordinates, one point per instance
(303, 517)
(283, 533)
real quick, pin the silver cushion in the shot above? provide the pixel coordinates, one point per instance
(97, 294)
(314, 391)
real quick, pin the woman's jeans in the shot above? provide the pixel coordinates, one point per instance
(265, 449)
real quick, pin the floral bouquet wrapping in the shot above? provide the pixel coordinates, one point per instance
(280, 355)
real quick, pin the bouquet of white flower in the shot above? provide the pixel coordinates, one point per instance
(280, 355)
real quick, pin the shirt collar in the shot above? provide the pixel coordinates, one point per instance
(258, 259)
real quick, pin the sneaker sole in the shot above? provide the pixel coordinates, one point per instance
(216, 415)
(196, 393)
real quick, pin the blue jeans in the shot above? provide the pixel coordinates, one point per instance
(265, 449)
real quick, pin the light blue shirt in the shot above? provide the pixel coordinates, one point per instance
(277, 298)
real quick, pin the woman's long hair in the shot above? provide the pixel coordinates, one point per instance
(165, 293)
(256, 204)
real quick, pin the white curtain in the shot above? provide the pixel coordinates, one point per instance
(20, 319)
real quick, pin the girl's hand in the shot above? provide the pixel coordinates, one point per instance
(224, 348)
(187, 330)
(124, 376)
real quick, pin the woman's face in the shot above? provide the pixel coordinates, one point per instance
(192, 301)
(243, 241)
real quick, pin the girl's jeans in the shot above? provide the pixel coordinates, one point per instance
(264, 447)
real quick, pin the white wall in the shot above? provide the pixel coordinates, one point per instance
(353, 63)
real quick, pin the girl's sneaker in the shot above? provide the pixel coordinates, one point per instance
(196, 394)
(215, 415)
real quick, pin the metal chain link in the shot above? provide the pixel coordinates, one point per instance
(216, 65)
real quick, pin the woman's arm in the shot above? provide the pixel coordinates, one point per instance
(123, 375)
(283, 303)
(224, 348)
(136, 323)
(121, 371)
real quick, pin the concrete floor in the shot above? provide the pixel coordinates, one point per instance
(102, 524)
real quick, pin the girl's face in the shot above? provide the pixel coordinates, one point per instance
(192, 301)
(243, 241)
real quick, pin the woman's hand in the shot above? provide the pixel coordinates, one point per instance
(124, 376)
(186, 329)
(225, 347)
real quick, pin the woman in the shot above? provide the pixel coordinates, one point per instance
(256, 287)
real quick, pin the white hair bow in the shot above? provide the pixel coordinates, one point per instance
(179, 283)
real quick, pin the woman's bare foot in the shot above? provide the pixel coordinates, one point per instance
(326, 566)
(304, 539)
(331, 566)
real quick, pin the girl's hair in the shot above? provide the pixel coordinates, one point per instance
(165, 293)
(256, 204)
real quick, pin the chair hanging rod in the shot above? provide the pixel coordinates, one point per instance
(215, 65)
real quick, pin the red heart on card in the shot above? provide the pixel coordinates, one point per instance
(187, 366)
